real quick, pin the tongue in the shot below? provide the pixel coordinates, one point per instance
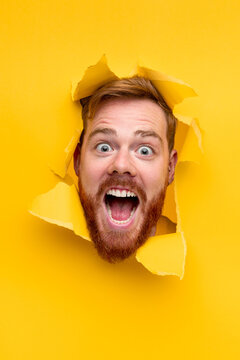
(121, 208)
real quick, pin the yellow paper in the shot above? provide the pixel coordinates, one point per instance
(94, 77)
(62, 161)
(162, 254)
(173, 90)
(58, 299)
(61, 206)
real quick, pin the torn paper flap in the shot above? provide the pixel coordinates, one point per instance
(173, 90)
(164, 254)
(94, 77)
(192, 149)
(61, 206)
(61, 161)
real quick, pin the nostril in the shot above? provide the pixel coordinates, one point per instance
(121, 172)
(120, 166)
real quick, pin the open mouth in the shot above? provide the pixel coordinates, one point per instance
(121, 205)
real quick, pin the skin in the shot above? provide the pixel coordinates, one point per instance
(127, 138)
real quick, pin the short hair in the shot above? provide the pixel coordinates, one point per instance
(134, 87)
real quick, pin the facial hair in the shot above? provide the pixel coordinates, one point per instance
(116, 245)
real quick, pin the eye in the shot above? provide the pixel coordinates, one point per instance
(104, 148)
(145, 150)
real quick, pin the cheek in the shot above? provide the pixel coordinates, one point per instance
(154, 178)
(154, 182)
(91, 173)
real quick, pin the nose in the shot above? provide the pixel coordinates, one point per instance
(122, 164)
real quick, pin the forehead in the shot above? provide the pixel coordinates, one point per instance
(129, 113)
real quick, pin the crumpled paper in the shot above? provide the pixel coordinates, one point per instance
(164, 253)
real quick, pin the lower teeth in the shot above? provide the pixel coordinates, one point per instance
(117, 221)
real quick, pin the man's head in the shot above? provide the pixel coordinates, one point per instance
(124, 162)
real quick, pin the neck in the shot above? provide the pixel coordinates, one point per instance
(153, 230)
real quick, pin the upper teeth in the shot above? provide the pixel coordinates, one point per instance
(121, 193)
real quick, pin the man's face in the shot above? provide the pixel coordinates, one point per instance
(124, 168)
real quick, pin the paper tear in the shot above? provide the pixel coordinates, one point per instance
(61, 206)
(61, 164)
(161, 254)
(192, 148)
(164, 255)
(94, 77)
(173, 90)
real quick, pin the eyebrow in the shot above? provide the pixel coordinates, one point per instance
(108, 131)
(105, 131)
(148, 133)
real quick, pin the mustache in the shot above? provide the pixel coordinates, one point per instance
(125, 181)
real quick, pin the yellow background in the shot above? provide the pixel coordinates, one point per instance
(58, 299)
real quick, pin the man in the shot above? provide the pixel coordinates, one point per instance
(124, 162)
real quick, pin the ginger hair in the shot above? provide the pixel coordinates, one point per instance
(134, 87)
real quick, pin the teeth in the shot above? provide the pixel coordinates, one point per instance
(118, 193)
(120, 222)
(121, 193)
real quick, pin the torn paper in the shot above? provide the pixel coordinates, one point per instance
(165, 253)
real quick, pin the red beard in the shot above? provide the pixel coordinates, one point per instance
(116, 245)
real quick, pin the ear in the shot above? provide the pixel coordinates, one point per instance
(76, 159)
(171, 166)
